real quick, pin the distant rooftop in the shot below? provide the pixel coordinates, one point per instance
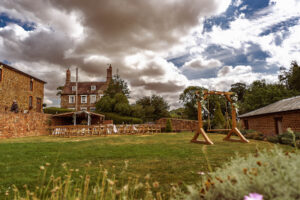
(18, 71)
(289, 104)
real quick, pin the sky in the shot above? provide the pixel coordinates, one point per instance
(157, 47)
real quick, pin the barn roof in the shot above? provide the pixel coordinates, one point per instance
(289, 104)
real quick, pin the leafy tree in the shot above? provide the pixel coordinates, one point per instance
(59, 90)
(178, 113)
(117, 85)
(260, 94)
(105, 104)
(155, 107)
(169, 126)
(121, 104)
(291, 78)
(218, 120)
(137, 111)
(188, 97)
(239, 89)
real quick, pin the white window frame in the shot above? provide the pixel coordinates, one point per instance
(101, 95)
(73, 88)
(83, 108)
(85, 98)
(71, 108)
(70, 97)
(93, 96)
(93, 87)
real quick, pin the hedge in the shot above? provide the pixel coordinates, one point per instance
(118, 119)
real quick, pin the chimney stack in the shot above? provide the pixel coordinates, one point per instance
(109, 74)
(68, 76)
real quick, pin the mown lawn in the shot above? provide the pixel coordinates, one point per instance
(168, 157)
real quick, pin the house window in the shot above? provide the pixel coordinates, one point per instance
(93, 99)
(71, 108)
(92, 109)
(93, 87)
(31, 85)
(83, 98)
(30, 102)
(72, 99)
(73, 88)
(1, 74)
(83, 108)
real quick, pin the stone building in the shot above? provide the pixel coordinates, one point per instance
(88, 92)
(275, 118)
(27, 90)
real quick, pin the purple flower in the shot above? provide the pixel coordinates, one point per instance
(253, 196)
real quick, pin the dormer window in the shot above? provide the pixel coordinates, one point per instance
(73, 88)
(93, 87)
(31, 85)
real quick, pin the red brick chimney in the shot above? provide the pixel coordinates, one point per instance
(68, 76)
(109, 74)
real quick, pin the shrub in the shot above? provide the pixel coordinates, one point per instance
(252, 134)
(273, 139)
(118, 119)
(169, 126)
(273, 174)
(54, 110)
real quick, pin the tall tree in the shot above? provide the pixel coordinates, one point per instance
(117, 85)
(239, 89)
(188, 98)
(291, 78)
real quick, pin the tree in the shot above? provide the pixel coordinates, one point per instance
(260, 94)
(59, 90)
(291, 78)
(169, 126)
(105, 104)
(155, 107)
(117, 85)
(137, 111)
(239, 89)
(121, 104)
(218, 120)
(188, 97)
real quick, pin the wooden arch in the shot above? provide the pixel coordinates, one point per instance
(233, 129)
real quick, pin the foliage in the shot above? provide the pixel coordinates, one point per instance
(117, 85)
(155, 107)
(178, 113)
(59, 90)
(122, 104)
(239, 89)
(218, 120)
(169, 126)
(138, 111)
(261, 94)
(273, 174)
(118, 119)
(54, 110)
(288, 138)
(105, 104)
(291, 77)
(252, 134)
(188, 98)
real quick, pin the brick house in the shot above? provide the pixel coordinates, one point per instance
(274, 118)
(88, 92)
(27, 90)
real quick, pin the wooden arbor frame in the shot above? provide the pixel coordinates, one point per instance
(233, 129)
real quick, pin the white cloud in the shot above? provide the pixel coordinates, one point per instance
(200, 63)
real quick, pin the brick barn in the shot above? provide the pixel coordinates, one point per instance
(88, 92)
(27, 90)
(275, 118)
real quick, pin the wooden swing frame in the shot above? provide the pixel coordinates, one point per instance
(233, 129)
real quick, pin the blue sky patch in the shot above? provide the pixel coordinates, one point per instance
(5, 20)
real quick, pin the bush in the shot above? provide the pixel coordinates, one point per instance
(252, 134)
(273, 174)
(169, 126)
(273, 139)
(118, 119)
(54, 110)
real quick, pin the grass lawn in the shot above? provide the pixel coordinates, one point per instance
(168, 157)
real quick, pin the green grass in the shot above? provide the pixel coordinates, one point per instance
(169, 158)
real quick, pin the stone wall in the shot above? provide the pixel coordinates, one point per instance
(179, 124)
(16, 86)
(22, 125)
(266, 123)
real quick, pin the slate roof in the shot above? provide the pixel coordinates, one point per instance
(289, 104)
(20, 72)
(85, 88)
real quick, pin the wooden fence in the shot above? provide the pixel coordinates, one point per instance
(103, 130)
